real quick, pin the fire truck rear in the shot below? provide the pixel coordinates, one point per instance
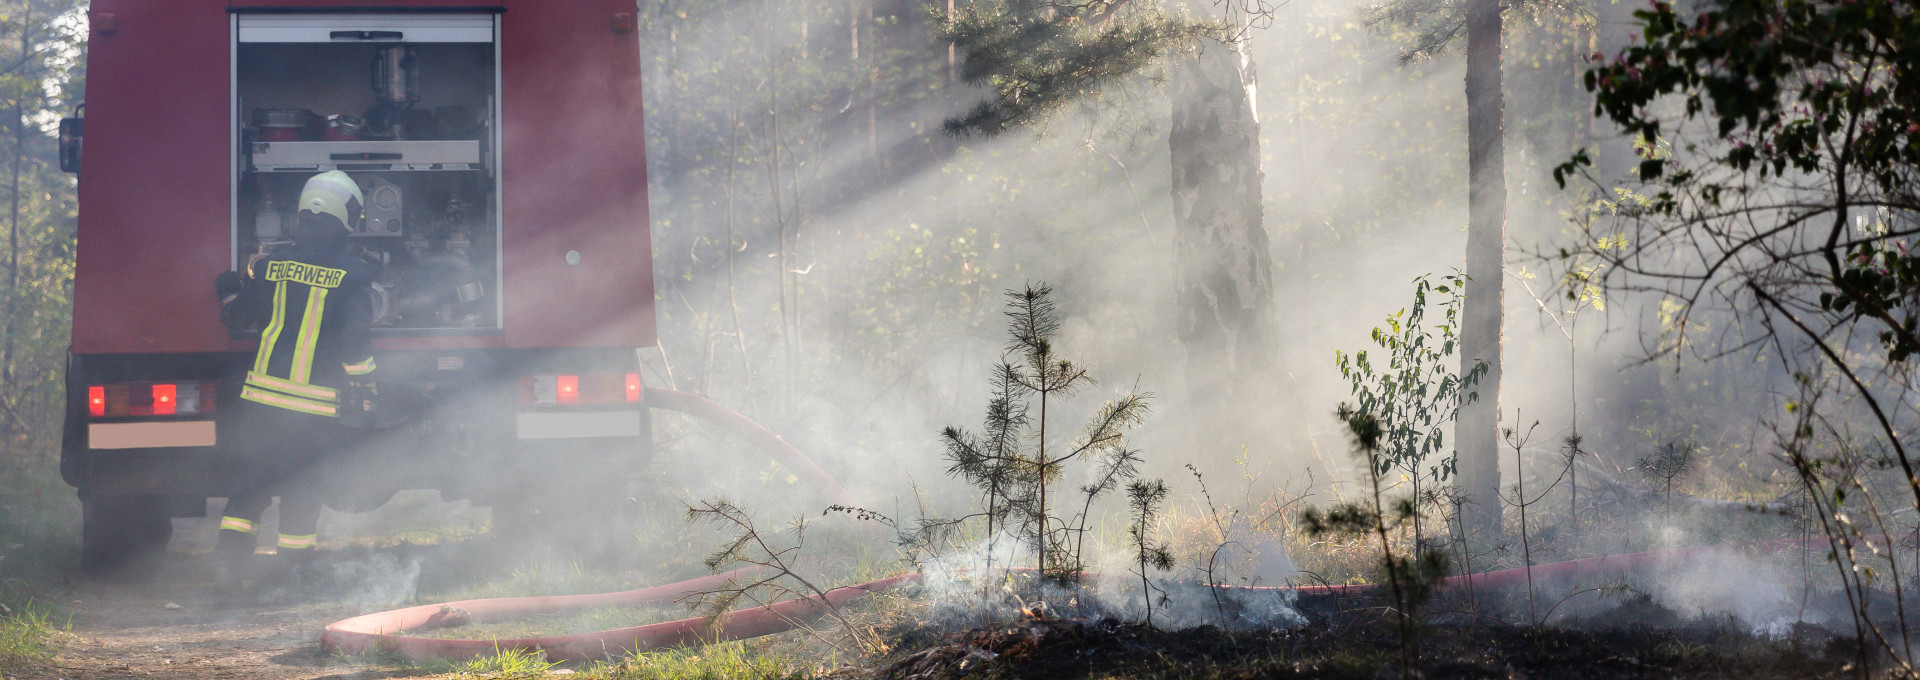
(499, 147)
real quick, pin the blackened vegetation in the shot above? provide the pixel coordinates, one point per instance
(1354, 638)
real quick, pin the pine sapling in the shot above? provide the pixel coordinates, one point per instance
(1145, 499)
(1015, 463)
(1669, 463)
(1410, 579)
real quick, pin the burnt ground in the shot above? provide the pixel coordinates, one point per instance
(1360, 643)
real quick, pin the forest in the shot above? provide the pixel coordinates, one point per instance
(1125, 339)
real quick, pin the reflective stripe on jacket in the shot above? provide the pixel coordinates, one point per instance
(317, 312)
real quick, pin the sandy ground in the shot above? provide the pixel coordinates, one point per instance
(177, 625)
(174, 630)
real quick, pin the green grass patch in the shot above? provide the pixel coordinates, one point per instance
(727, 661)
(27, 636)
(506, 663)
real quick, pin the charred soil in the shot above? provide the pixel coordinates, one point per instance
(1360, 643)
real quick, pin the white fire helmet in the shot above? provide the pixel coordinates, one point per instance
(333, 193)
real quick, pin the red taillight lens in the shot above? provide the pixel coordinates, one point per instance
(121, 400)
(166, 399)
(581, 389)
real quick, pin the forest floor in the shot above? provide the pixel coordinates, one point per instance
(178, 626)
(175, 626)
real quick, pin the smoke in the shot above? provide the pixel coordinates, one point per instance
(965, 588)
(378, 579)
(831, 265)
(1765, 596)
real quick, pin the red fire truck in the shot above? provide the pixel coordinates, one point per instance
(499, 144)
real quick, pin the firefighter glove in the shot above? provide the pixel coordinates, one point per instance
(227, 284)
(361, 400)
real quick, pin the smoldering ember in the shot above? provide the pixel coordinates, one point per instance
(917, 339)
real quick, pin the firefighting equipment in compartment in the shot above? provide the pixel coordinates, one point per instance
(383, 210)
(333, 193)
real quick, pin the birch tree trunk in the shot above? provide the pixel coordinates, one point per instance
(1477, 431)
(1225, 272)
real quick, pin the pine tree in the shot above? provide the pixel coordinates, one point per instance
(1016, 462)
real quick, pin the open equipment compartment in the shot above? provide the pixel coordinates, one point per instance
(407, 105)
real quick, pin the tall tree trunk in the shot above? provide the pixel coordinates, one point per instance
(1224, 270)
(1478, 428)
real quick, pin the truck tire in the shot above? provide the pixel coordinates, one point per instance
(122, 536)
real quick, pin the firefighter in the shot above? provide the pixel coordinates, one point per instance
(313, 305)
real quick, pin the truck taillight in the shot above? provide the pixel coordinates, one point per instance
(165, 399)
(123, 400)
(576, 389)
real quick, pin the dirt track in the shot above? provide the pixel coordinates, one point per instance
(177, 625)
(129, 631)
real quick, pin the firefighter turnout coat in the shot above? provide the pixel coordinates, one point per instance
(314, 308)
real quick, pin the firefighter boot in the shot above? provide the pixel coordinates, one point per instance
(230, 557)
(295, 577)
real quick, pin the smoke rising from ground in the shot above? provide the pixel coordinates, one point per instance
(831, 265)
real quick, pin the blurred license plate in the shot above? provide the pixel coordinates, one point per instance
(150, 435)
(579, 425)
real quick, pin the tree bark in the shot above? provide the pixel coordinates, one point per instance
(1477, 430)
(1224, 274)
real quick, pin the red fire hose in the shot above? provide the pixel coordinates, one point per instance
(385, 631)
(755, 433)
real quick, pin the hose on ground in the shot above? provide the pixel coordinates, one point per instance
(389, 631)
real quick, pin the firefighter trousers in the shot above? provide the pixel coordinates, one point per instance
(280, 454)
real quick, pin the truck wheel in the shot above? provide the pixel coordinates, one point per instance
(122, 535)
